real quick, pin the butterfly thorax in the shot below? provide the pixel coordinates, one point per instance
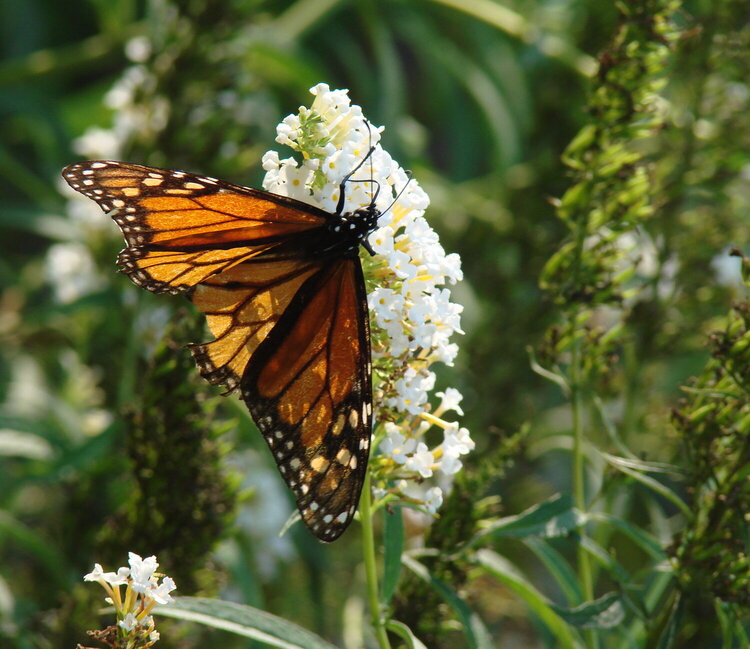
(350, 230)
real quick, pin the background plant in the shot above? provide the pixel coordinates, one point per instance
(481, 100)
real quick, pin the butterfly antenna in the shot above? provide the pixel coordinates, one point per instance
(371, 179)
(403, 189)
(342, 185)
(372, 172)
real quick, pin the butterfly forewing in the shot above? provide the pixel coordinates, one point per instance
(182, 228)
(308, 388)
(288, 315)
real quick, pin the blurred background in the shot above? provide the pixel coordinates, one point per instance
(479, 99)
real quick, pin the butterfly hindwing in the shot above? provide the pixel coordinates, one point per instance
(182, 228)
(308, 388)
(242, 306)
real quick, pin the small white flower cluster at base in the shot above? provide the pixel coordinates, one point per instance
(143, 591)
(412, 315)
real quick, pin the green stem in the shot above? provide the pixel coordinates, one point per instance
(579, 484)
(371, 570)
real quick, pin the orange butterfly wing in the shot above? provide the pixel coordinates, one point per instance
(242, 305)
(181, 228)
(308, 387)
(291, 327)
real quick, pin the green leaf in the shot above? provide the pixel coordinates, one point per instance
(606, 559)
(22, 444)
(583, 140)
(301, 17)
(552, 518)
(667, 628)
(502, 570)
(245, 621)
(40, 548)
(644, 540)
(641, 465)
(394, 546)
(603, 613)
(476, 633)
(556, 378)
(515, 24)
(500, 126)
(623, 465)
(558, 567)
(405, 633)
(607, 422)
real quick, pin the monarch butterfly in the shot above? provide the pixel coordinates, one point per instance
(282, 288)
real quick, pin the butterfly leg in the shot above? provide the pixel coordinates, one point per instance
(366, 245)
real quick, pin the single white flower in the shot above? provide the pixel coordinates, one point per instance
(397, 447)
(386, 304)
(160, 594)
(449, 463)
(433, 499)
(96, 574)
(450, 400)
(118, 578)
(411, 391)
(422, 461)
(458, 440)
(138, 49)
(142, 571)
(382, 240)
(129, 622)
(98, 142)
(400, 263)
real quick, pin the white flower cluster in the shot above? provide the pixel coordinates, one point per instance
(71, 271)
(69, 266)
(143, 591)
(413, 316)
(131, 118)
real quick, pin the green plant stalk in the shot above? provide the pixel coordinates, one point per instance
(371, 571)
(585, 575)
(579, 485)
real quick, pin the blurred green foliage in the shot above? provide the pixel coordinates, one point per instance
(480, 100)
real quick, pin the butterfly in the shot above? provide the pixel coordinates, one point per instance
(282, 288)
